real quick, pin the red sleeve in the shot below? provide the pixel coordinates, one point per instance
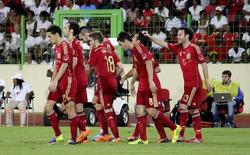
(200, 56)
(65, 52)
(144, 52)
(92, 58)
(75, 49)
(172, 47)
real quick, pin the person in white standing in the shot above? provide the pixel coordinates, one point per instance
(20, 93)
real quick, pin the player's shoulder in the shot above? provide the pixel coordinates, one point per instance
(195, 47)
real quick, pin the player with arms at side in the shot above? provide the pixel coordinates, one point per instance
(62, 86)
(189, 56)
(104, 61)
(71, 31)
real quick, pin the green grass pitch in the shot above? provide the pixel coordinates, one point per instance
(33, 141)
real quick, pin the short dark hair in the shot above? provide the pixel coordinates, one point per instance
(143, 39)
(227, 72)
(75, 27)
(55, 29)
(97, 35)
(124, 36)
(188, 31)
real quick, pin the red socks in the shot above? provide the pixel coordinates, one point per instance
(73, 127)
(82, 122)
(102, 121)
(160, 128)
(183, 118)
(54, 124)
(112, 122)
(142, 127)
(197, 127)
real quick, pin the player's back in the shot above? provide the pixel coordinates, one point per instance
(80, 68)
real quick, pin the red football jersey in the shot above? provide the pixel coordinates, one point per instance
(140, 54)
(189, 58)
(104, 61)
(106, 42)
(64, 54)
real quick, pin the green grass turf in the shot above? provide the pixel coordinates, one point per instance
(33, 141)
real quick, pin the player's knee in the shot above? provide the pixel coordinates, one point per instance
(140, 111)
(195, 113)
(98, 107)
(183, 108)
(152, 112)
(79, 108)
(48, 108)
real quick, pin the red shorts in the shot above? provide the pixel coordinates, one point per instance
(108, 85)
(146, 98)
(196, 101)
(81, 95)
(66, 90)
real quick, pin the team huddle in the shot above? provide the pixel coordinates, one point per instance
(69, 82)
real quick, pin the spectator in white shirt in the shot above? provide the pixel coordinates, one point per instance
(131, 12)
(161, 10)
(20, 93)
(44, 21)
(203, 23)
(235, 52)
(4, 10)
(246, 38)
(246, 10)
(195, 10)
(29, 3)
(161, 36)
(15, 44)
(31, 23)
(37, 9)
(219, 21)
(70, 5)
(117, 5)
(171, 22)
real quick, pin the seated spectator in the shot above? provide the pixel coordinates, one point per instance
(2, 44)
(31, 23)
(246, 38)
(246, 10)
(6, 48)
(195, 11)
(203, 23)
(219, 21)
(70, 5)
(117, 5)
(20, 92)
(210, 9)
(37, 9)
(29, 45)
(15, 44)
(13, 18)
(234, 7)
(161, 10)
(131, 12)
(148, 12)
(237, 96)
(44, 21)
(4, 10)
(180, 6)
(140, 21)
(156, 48)
(46, 58)
(235, 52)
(29, 3)
(172, 22)
(106, 4)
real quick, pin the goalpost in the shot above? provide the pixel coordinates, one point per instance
(110, 22)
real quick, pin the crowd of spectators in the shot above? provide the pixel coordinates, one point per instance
(221, 26)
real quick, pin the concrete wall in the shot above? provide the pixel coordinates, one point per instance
(170, 76)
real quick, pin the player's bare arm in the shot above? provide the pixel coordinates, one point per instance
(206, 77)
(149, 66)
(75, 60)
(157, 41)
(132, 83)
(128, 75)
(119, 69)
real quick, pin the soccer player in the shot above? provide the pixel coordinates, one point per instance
(147, 90)
(189, 56)
(62, 86)
(71, 31)
(104, 61)
(137, 39)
